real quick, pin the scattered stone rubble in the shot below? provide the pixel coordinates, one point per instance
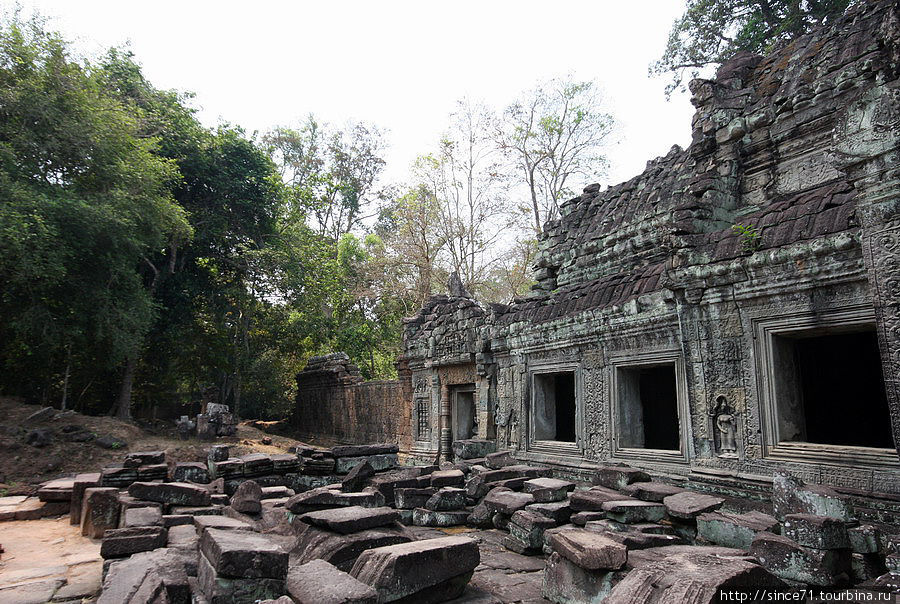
(348, 537)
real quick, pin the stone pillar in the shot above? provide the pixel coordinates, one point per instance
(446, 436)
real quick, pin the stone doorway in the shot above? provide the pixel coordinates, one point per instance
(464, 417)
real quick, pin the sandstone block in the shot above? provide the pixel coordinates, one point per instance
(99, 511)
(174, 493)
(547, 490)
(687, 505)
(733, 530)
(384, 461)
(630, 512)
(351, 519)
(785, 558)
(589, 550)
(473, 448)
(118, 543)
(247, 498)
(243, 554)
(318, 582)
(820, 532)
(618, 477)
(447, 499)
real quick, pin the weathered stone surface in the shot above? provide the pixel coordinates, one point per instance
(791, 496)
(582, 518)
(447, 499)
(324, 498)
(733, 530)
(408, 499)
(820, 532)
(146, 516)
(247, 498)
(314, 543)
(558, 511)
(866, 567)
(630, 512)
(592, 500)
(527, 529)
(424, 517)
(183, 536)
(421, 571)
(225, 523)
(206, 510)
(365, 450)
(351, 519)
(118, 543)
(687, 505)
(864, 539)
(547, 490)
(161, 574)
(188, 471)
(447, 478)
(357, 477)
(631, 537)
(219, 589)
(174, 493)
(787, 559)
(589, 550)
(243, 554)
(57, 490)
(41, 415)
(276, 492)
(565, 582)
(79, 485)
(507, 502)
(318, 582)
(117, 476)
(99, 511)
(379, 463)
(618, 477)
(473, 448)
(145, 458)
(218, 453)
(651, 491)
(501, 459)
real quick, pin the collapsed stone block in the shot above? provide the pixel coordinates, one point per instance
(589, 550)
(365, 450)
(630, 512)
(432, 570)
(145, 458)
(592, 500)
(447, 499)
(79, 485)
(425, 517)
(221, 589)
(99, 511)
(408, 499)
(548, 490)
(501, 459)
(384, 461)
(558, 511)
(473, 448)
(225, 523)
(687, 505)
(785, 558)
(652, 491)
(174, 493)
(160, 575)
(448, 478)
(324, 498)
(351, 519)
(318, 582)
(565, 582)
(791, 496)
(820, 532)
(247, 498)
(357, 477)
(145, 516)
(191, 472)
(314, 543)
(118, 543)
(507, 502)
(243, 554)
(618, 477)
(864, 539)
(733, 530)
(526, 531)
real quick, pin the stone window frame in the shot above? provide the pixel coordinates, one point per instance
(670, 356)
(764, 330)
(556, 447)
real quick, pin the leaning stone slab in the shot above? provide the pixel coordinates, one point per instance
(318, 582)
(425, 517)
(651, 491)
(411, 498)
(432, 570)
(161, 572)
(183, 536)
(565, 582)
(507, 502)
(57, 490)
(379, 463)
(174, 493)
(785, 558)
(820, 532)
(498, 460)
(473, 448)
(357, 477)
(558, 511)
(315, 543)
(790, 495)
(733, 530)
(630, 512)
(447, 499)
(243, 554)
(219, 589)
(547, 490)
(202, 523)
(324, 498)
(99, 511)
(364, 450)
(687, 505)
(147, 516)
(79, 485)
(351, 519)
(589, 550)
(247, 498)
(592, 500)
(448, 478)
(618, 477)
(118, 543)
(189, 471)
(527, 528)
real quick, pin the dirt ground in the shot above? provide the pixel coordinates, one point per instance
(23, 467)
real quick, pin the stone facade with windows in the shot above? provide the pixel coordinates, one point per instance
(732, 310)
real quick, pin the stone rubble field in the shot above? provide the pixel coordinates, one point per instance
(350, 525)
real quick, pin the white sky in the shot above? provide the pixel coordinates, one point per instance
(398, 64)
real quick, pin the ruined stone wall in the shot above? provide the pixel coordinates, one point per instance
(335, 406)
(801, 148)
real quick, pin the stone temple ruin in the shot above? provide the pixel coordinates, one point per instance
(701, 393)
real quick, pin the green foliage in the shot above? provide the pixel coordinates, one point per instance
(750, 236)
(712, 31)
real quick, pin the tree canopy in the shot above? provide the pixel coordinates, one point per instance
(712, 31)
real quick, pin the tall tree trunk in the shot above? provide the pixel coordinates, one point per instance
(122, 410)
(62, 405)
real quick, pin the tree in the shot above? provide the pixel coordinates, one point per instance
(712, 31)
(555, 132)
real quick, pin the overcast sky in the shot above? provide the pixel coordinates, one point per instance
(400, 65)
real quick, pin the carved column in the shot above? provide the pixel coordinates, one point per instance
(446, 443)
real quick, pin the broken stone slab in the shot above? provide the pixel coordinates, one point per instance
(99, 511)
(424, 517)
(155, 576)
(229, 468)
(319, 466)
(787, 559)
(365, 450)
(864, 539)
(202, 510)
(548, 490)
(315, 543)
(790, 495)
(481, 517)
(357, 477)
(501, 459)
(145, 458)
(473, 448)
(632, 539)
(630, 512)
(820, 532)
(866, 567)
(590, 550)
(284, 463)
(117, 476)
(257, 464)
(218, 453)
(582, 518)
(324, 498)
(733, 530)
(379, 463)
(182, 536)
(687, 505)
(277, 492)
(618, 477)
(154, 472)
(219, 589)
(447, 499)
(527, 529)
(174, 493)
(565, 582)
(189, 471)
(688, 576)
(388, 482)
(432, 570)
(351, 519)
(118, 543)
(243, 554)
(146, 516)
(593, 499)
(408, 498)
(56, 490)
(507, 502)
(42, 414)
(652, 491)
(225, 523)
(447, 478)
(247, 497)
(558, 511)
(79, 485)
(318, 582)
